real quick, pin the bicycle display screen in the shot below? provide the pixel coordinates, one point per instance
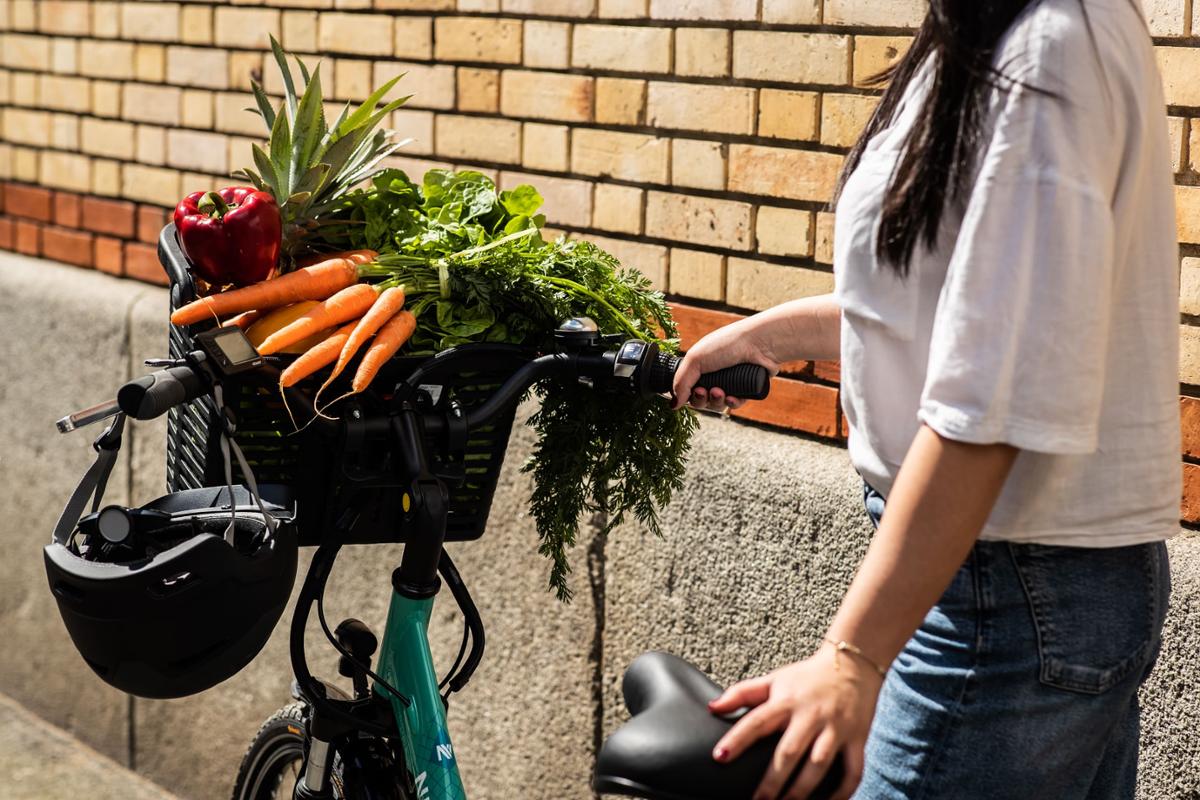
(230, 349)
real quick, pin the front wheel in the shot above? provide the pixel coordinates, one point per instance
(274, 762)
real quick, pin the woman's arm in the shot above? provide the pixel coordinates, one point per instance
(942, 497)
(808, 328)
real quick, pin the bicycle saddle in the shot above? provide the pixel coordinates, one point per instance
(665, 751)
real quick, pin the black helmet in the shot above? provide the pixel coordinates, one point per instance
(174, 597)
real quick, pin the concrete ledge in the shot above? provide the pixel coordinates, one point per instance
(757, 550)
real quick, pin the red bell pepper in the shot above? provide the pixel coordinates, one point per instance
(230, 236)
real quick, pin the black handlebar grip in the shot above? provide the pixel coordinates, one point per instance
(744, 381)
(155, 394)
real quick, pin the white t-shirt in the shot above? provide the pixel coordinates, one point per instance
(1047, 316)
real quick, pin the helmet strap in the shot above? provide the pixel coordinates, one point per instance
(93, 482)
(228, 446)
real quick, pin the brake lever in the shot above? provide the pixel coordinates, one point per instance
(87, 416)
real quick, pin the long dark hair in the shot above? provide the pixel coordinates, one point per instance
(959, 38)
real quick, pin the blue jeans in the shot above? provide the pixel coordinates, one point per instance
(1022, 681)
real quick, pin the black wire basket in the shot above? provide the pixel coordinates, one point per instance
(347, 489)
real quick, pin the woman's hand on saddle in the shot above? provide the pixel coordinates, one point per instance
(823, 705)
(738, 343)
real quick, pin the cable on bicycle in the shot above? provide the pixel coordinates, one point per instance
(462, 651)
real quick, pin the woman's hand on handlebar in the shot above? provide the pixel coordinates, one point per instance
(824, 705)
(733, 344)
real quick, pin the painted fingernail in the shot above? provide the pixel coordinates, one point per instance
(721, 753)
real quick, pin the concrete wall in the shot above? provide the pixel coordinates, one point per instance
(758, 547)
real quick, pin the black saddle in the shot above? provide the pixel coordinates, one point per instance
(665, 751)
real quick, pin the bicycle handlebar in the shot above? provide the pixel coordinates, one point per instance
(155, 394)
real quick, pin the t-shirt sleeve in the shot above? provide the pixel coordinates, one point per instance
(1021, 330)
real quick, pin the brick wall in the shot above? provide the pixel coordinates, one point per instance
(698, 140)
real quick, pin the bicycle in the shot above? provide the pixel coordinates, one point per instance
(417, 464)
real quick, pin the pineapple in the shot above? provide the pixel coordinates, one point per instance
(308, 165)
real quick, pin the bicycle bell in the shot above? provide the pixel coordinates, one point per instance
(578, 333)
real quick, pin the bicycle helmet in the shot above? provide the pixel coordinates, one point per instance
(171, 598)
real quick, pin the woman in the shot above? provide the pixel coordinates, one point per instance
(1005, 312)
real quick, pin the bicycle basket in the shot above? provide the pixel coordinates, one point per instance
(336, 492)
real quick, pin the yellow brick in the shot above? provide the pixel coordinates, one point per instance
(624, 156)
(1180, 66)
(26, 127)
(695, 273)
(478, 89)
(704, 9)
(547, 44)
(1166, 17)
(232, 116)
(353, 80)
(720, 109)
(1177, 129)
(415, 125)
(874, 54)
(108, 138)
(702, 51)
(624, 9)
(106, 98)
(23, 16)
(153, 22)
(196, 109)
(1189, 286)
(698, 164)
(473, 138)
(106, 24)
(787, 115)
(1194, 145)
(64, 131)
(648, 259)
(245, 67)
(568, 201)
(784, 231)
(197, 66)
(106, 59)
(65, 94)
(251, 27)
(844, 116)
(791, 12)
(299, 31)
(820, 58)
(622, 48)
(700, 220)
(620, 101)
(5, 91)
(68, 171)
(546, 95)
(550, 8)
(106, 177)
(64, 16)
(779, 172)
(25, 52)
(64, 56)
(479, 5)
(196, 25)
(24, 89)
(757, 285)
(545, 146)
(205, 152)
(152, 145)
(145, 103)
(414, 5)
(149, 63)
(150, 184)
(6, 161)
(1187, 213)
(618, 208)
(430, 86)
(414, 37)
(823, 246)
(477, 39)
(892, 14)
(1189, 354)
(25, 164)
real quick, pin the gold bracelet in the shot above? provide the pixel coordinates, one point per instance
(841, 646)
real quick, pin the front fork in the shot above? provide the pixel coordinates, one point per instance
(406, 663)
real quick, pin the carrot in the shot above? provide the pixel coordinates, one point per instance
(350, 303)
(244, 320)
(309, 283)
(391, 337)
(320, 355)
(390, 303)
(357, 256)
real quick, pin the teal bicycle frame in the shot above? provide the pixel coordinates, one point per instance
(406, 663)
